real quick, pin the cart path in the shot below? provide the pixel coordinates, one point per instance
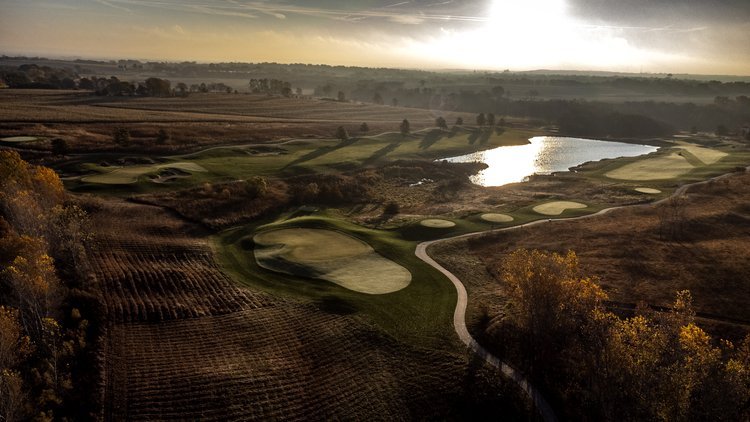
(459, 315)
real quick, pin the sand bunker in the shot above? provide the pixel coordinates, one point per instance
(557, 207)
(436, 223)
(665, 167)
(20, 139)
(497, 218)
(130, 174)
(332, 256)
(650, 191)
(705, 155)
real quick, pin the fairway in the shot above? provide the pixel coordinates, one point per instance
(436, 223)
(497, 218)
(558, 207)
(128, 175)
(331, 256)
(664, 167)
(705, 155)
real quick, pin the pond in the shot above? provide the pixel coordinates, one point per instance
(544, 155)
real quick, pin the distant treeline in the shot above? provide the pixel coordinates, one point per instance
(32, 76)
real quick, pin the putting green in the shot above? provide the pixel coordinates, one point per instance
(705, 155)
(130, 174)
(436, 223)
(650, 191)
(557, 207)
(664, 167)
(329, 255)
(20, 139)
(497, 218)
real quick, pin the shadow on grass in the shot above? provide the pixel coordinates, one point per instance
(382, 152)
(430, 138)
(482, 136)
(336, 305)
(321, 152)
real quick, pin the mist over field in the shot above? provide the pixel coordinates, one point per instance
(366, 210)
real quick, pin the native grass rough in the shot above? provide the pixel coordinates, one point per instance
(185, 343)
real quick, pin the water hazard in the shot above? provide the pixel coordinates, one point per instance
(544, 155)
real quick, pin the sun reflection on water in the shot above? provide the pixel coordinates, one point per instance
(544, 155)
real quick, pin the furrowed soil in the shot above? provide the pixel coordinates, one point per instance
(184, 342)
(639, 253)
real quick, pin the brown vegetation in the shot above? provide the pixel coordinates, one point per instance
(184, 342)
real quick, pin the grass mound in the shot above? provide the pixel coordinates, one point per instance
(130, 174)
(557, 207)
(650, 191)
(344, 260)
(496, 218)
(664, 167)
(436, 223)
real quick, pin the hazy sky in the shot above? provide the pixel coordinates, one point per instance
(677, 36)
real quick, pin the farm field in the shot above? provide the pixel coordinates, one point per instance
(251, 265)
(186, 342)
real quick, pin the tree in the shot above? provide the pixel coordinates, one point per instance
(182, 89)
(490, 119)
(59, 146)
(481, 120)
(404, 127)
(162, 136)
(121, 136)
(377, 98)
(341, 133)
(157, 87)
(441, 123)
(341, 96)
(459, 121)
(364, 128)
(391, 208)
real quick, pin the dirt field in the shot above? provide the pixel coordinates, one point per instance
(86, 122)
(710, 255)
(184, 343)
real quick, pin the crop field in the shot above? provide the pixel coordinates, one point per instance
(185, 342)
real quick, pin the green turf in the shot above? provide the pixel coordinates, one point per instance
(418, 313)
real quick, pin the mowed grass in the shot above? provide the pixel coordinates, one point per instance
(329, 255)
(303, 155)
(420, 313)
(557, 207)
(657, 168)
(131, 174)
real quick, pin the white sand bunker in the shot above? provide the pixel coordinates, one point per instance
(705, 155)
(332, 256)
(664, 167)
(557, 207)
(130, 174)
(20, 139)
(650, 191)
(497, 218)
(436, 223)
